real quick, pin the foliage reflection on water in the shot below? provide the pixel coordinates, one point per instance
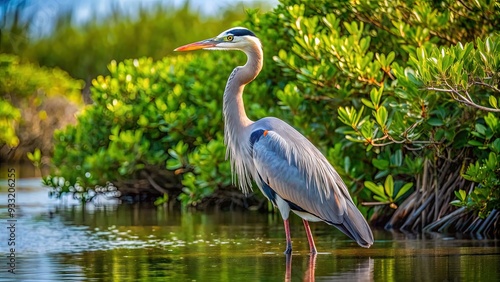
(140, 242)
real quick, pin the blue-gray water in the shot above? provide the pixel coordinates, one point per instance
(63, 240)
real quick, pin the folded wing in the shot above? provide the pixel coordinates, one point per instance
(286, 162)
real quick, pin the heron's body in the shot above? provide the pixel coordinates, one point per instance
(289, 170)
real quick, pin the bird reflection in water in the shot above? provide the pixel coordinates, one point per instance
(363, 271)
(308, 275)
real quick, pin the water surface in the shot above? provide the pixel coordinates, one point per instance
(63, 240)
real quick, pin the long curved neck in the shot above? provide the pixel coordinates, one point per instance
(235, 117)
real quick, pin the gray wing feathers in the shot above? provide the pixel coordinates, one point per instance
(297, 171)
(280, 166)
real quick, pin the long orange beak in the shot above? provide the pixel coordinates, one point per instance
(197, 45)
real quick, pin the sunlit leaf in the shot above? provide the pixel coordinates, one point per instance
(403, 190)
(376, 189)
(389, 186)
(493, 101)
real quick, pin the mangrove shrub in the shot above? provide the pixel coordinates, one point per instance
(409, 84)
(401, 96)
(33, 100)
(152, 124)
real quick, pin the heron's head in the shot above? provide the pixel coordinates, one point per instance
(237, 38)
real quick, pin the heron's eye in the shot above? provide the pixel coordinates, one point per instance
(229, 38)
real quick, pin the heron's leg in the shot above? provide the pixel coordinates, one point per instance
(288, 272)
(312, 247)
(288, 237)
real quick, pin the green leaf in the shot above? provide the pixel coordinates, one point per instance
(161, 200)
(493, 102)
(491, 121)
(367, 103)
(463, 194)
(383, 199)
(491, 162)
(396, 159)
(380, 164)
(347, 164)
(376, 189)
(414, 80)
(403, 190)
(367, 129)
(381, 174)
(481, 129)
(375, 96)
(173, 153)
(389, 185)
(381, 116)
(173, 164)
(475, 143)
(495, 145)
(390, 57)
(435, 122)
(35, 157)
(354, 139)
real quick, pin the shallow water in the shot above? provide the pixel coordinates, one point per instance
(62, 240)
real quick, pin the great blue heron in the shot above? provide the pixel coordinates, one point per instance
(289, 170)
